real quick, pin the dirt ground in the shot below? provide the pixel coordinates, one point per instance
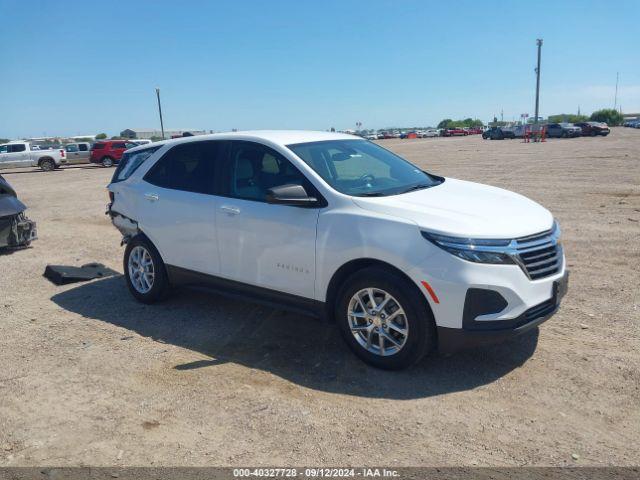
(90, 377)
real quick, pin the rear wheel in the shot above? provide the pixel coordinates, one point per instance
(107, 162)
(593, 133)
(145, 271)
(384, 320)
(47, 165)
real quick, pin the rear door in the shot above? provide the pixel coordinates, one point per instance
(83, 153)
(177, 209)
(261, 244)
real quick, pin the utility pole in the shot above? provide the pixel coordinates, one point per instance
(537, 117)
(615, 98)
(160, 111)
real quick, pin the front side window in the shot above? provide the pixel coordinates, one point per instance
(362, 168)
(118, 145)
(71, 148)
(188, 167)
(4, 148)
(130, 162)
(255, 168)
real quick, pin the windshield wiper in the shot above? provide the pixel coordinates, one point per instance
(416, 187)
(371, 194)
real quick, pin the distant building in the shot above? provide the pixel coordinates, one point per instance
(147, 133)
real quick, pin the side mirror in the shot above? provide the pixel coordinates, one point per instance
(293, 194)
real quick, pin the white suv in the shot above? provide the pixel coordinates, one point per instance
(337, 227)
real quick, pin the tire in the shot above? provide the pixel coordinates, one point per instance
(565, 135)
(147, 285)
(416, 319)
(47, 165)
(107, 162)
(593, 133)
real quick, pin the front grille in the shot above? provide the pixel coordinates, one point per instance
(539, 255)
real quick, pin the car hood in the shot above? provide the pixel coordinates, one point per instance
(9, 203)
(465, 209)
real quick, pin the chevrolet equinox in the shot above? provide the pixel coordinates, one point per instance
(335, 226)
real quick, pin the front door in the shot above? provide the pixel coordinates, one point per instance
(261, 244)
(73, 153)
(176, 207)
(15, 155)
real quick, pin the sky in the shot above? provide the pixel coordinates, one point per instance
(81, 67)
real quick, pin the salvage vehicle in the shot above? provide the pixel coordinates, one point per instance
(23, 154)
(78, 152)
(16, 230)
(326, 224)
(563, 130)
(498, 133)
(109, 152)
(457, 131)
(592, 129)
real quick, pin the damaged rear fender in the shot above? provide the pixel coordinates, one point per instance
(127, 227)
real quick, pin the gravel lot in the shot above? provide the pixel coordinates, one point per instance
(89, 377)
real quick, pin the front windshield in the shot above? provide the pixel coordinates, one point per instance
(362, 168)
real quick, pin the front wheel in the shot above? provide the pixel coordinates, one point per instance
(145, 271)
(384, 320)
(107, 162)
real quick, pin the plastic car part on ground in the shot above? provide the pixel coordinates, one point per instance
(16, 230)
(63, 274)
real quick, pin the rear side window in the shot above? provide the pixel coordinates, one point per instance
(97, 146)
(83, 147)
(19, 147)
(130, 162)
(188, 167)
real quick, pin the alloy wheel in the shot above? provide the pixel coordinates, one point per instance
(378, 322)
(141, 269)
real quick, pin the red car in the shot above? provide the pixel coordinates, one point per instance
(475, 131)
(457, 131)
(109, 152)
(592, 129)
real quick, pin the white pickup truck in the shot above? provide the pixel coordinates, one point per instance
(23, 154)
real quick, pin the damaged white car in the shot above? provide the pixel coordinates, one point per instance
(404, 261)
(16, 230)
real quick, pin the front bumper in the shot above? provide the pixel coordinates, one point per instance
(451, 340)
(17, 231)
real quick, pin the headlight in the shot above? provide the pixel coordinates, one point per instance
(474, 250)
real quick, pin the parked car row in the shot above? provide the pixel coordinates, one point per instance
(552, 130)
(27, 154)
(428, 133)
(635, 123)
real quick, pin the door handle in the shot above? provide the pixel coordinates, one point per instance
(230, 210)
(152, 197)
